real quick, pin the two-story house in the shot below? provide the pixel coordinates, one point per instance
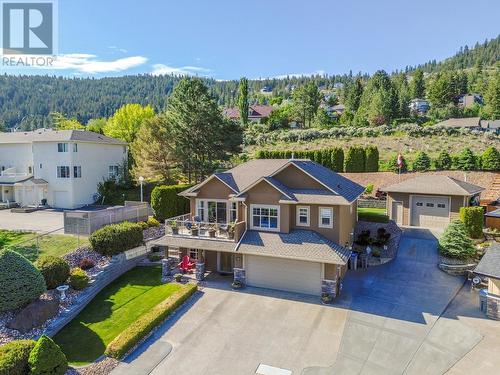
(58, 168)
(275, 223)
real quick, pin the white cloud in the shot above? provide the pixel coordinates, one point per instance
(162, 69)
(298, 75)
(116, 49)
(88, 63)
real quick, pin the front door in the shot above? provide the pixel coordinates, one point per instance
(397, 212)
(226, 262)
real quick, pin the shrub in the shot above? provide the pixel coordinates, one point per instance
(143, 225)
(372, 157)
(337, 159)
(491, 159)
(47, 358)
(355, 160)
(55, 270)
(166, 203)
(86, 264)
(152, 222)
(78, 279)
(369, 189)
(443, 161)
(116, 238)
(143, 326)
(472, 217)
(455, 242)
(466, 160)
(422, 162)
(14, 357)
(20, 281)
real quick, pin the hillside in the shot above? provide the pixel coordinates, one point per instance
(27, 101)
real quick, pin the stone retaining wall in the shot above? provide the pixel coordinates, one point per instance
(455, 267)
(493, 307)
(118, 266)
(372, 203)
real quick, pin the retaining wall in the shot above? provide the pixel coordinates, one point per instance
(372, 203)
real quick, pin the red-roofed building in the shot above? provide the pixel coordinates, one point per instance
(256, 112)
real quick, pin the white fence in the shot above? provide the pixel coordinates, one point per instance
(85, 222)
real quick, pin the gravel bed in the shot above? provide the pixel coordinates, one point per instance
(103, 367)
(154, 233)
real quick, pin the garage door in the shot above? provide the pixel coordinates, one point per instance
(283, 274)
(430, 212)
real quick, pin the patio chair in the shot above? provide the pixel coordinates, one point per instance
(186, 265)
(188, 225)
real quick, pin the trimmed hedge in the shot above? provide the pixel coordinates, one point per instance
(490, 159)
(14, 357)
(372, 157)
(55, 270)
(20, 281)
(78, 279)
(355, 160)
(126, 340)
(47, 358)
(455, 242)
(337, 159)
(152, 222)
(116, 238)
(473, 217)
(166, 203)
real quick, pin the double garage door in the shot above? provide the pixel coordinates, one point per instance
(284, 274)
(430, 212)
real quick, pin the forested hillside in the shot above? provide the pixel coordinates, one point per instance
(27, 101)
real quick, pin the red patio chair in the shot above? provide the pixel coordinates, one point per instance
(186, 265)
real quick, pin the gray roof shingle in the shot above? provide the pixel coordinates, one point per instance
(434, 184)
(489, 265)
(49, 135)
(298, 244)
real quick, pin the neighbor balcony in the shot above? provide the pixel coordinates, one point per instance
(188, 226)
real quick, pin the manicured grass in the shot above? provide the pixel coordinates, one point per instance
(115, 308)
(52, 244)
(376, 215)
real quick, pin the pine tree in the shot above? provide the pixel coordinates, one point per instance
(417, 85)
(455, 242)
(443, 161)
(422, 162)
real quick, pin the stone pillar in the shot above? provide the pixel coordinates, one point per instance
(240, 275)
(200, 271)
(167, 266)
(493, 307)
(329, 287)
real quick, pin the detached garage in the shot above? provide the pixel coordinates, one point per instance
(429, 201)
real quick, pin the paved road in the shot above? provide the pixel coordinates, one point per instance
(38, 221)
(393, 325)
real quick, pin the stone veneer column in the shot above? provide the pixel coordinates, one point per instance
(329, 287)
(493, 307)
(240, 275)
(200, 271)
(167, 267)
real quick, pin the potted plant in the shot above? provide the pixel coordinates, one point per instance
(230, 231)
(174, 226)
(194, 230)
(211, 230)
(326, 298)
(237, 284)
(178, 277)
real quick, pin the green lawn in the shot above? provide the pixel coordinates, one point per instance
(111, 311)
(52, 244)
(376, 215)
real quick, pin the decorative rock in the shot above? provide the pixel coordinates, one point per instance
(34, 315)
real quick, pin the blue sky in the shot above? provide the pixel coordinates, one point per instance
(228, 39)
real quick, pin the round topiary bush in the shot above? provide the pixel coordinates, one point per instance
(116, 238)
(47, 358)
(78, 279)
(455, 242)
(55, 270)
(14, 357)
(20, 281)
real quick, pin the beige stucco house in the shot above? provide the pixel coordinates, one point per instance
(429, 201)
(279, 224)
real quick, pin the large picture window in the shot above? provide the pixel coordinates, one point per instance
(212, 211)
(265, 217)
(63, 172)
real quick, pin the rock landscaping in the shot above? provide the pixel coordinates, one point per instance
(380, 254)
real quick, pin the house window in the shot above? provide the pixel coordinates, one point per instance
(63, 172)
(233, 212)
(62, 147)
(113, 171)
(419, 204)
(217, 212)
(200, 210)
(41, 165)
(265, 217)
(325, 217)
(303, 216)
(77, 172)
(75, 147)
(441, 205)
(193, 254)
(30, 169)
(429, 204)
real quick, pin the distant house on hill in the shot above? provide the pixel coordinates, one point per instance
(255, 113)
(473, 123)
(266, 90)
(492, 126)
(419, 106)
(468, 100)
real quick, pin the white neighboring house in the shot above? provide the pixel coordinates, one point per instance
(60, 168)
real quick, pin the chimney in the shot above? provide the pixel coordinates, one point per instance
(293, 156)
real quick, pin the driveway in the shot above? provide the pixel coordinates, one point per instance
(394, 324)
(38, 221)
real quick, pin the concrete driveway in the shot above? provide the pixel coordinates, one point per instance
(38, 221)
(394, 325)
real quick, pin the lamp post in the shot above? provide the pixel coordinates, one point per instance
(141, 181)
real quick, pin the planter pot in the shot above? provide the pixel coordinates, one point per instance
(175, 230)
(235, 287)
(230, 235)
(211, 233)
(194, 232)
